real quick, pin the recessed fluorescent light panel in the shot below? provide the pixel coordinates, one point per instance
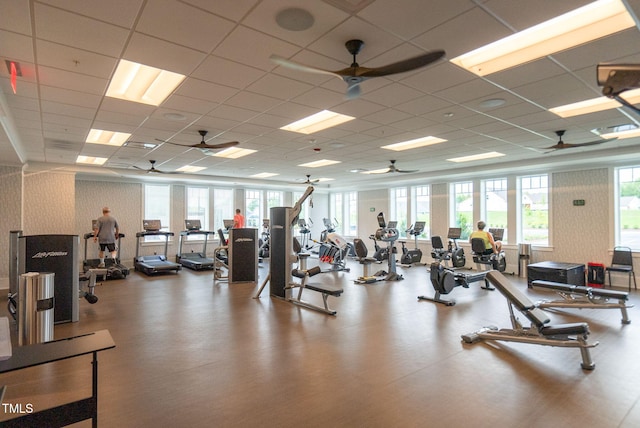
(234, 153)
(621, 135)
(142, 84)
(480, 156)
(594, 104)
(319, 163)
(413, 144)
(317, 122)
(191, 168)
(322, 179)
(376, 171)
(264, 175)
(110, 138)
(593, 21)
(90, 160)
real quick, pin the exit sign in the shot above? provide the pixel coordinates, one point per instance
(578, 202)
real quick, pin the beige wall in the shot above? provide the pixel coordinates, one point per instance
(49, 203)
(10, 214)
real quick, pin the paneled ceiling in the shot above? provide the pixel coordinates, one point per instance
(68, 51)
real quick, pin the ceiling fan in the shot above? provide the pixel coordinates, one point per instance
(355, 74)
(154, 170)
(393, 169)
(309, 181)
(562, 145)
(204, 146)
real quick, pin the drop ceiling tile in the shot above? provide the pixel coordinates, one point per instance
(67, 96)
(392, 95)
(73, 81)
(207, 91)
(320, 98)
(118, 12)
(16, 18)
(387, 116)
(15, 47)
(68, 110)
(78, 31)
(511, 11)
(182, 104)
(143, 49)
(230, 9)
(438, 77)
(252, 101)
(74, 60)
(278, 87)
(184, 25)
(224, 72)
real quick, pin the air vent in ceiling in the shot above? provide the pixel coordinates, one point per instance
(349, 6)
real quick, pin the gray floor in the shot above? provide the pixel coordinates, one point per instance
(193, 354)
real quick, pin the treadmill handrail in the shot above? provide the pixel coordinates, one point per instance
(153, 233)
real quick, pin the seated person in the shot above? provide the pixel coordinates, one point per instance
(491, 246)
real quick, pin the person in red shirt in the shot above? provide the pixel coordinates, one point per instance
(238, 220)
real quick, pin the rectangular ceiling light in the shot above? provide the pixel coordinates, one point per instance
(413, 144)
(317, 122)
(90, 160)
(142, 84)
(376, 171)
(479, 156)
(319, 163)
(233, 153)
(264, 175)
(593, 21)
(110, 138)
(191, 168)
(594, 105)
(621, 135)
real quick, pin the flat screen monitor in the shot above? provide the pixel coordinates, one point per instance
(228, 224)
(151, 225)
(302, 223)
(498, 233)
(419, 226)
(265, 223)
(454, 233)
(392, 224)
(94, 224)
(192, 224)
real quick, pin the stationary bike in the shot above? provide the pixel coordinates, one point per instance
(388, 234)
(380, 253)
(453, 253)
(263, 251)
(410, 257)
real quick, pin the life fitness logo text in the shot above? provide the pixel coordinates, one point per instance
(45, 254)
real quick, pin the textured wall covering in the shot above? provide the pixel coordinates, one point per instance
(49, 203)
(581, 234)
(125, 201)
(10, 212)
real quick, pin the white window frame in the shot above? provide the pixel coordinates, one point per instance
(533, 178)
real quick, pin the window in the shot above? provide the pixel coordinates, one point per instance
(274, 199)
(198, 208)
(420, 208)
(628, 207)
(398, 204)
(223, 208)
(463, 208)
(253, 208)
(344, 213)
(534, 209)
(494, 208)
(337, 210)
(157, 206)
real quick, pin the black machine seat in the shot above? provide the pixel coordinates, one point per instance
(361, 251)
(438, 251)
(329, 289)
(530, 310)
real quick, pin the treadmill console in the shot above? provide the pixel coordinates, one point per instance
(454, 233)
(151, 225)
(498, 233)
(94, 224)
(193, 224)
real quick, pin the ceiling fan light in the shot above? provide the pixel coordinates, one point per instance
(414, 144)
(142, 83)
(590, 22)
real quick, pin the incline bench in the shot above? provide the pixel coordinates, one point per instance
(579, 296)
(326, 290)
(572, 335)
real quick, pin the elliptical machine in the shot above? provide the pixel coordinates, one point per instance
(410, 257)
(389, 235)
(453, 253)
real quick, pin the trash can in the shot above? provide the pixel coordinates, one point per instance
(524, 255)
(595, 274)
(35, 308)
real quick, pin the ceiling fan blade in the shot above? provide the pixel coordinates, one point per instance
(404, 65)
(406, 171)
(301, 67)
(215, 146)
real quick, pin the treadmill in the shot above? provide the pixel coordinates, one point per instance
(193, 260)
(115, 269)
(156, 263)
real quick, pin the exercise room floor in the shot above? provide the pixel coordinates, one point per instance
(191, 353)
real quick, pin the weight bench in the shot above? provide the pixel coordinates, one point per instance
(326, 290)
(444, 280)
(578, 296)
(572, 335)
